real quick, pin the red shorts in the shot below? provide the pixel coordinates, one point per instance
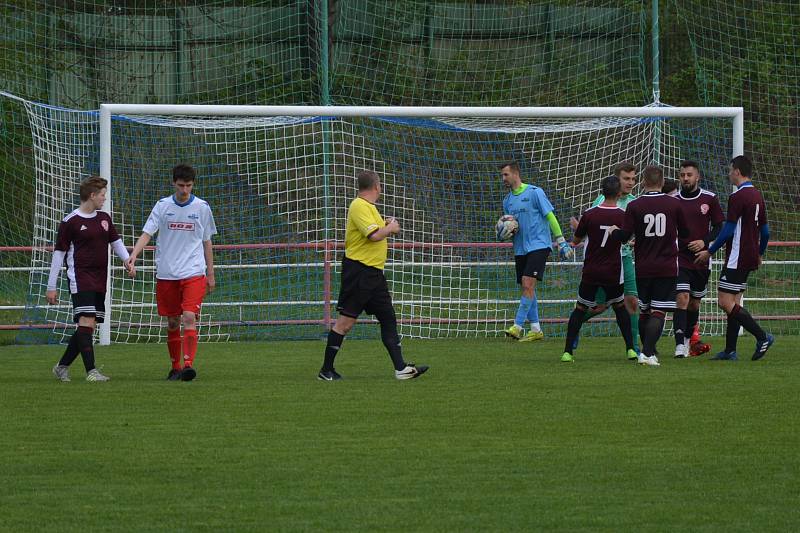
(174, 296)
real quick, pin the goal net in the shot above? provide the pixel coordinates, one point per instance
(279, 181)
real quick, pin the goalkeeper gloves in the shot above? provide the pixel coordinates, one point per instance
(564, 249)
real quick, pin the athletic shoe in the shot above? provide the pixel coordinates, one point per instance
(699, 348)
(328, 375)
(725, 356)
(174, 374)
(95, 375)
(188, 373)
(567, 358)
(762, 347)
(411, 371)
(515, 332)
(62, 373)
(680, 351)
(532, 336)
(632, 355)
(648, 361)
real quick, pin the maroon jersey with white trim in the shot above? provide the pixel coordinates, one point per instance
(701, 212)
(602, 264)
(654, 219)
(85, 238)
(747, 210)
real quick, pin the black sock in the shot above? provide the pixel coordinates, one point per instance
(624, 323)
(692, 318)
(576, 319)
(748, 322)
(652, 333)
(86, 346)
(391, 340)
(331, 349)
(679, 320)
(72, 350)
(731, 334)
(644, 318)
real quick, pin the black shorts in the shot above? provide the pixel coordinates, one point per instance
(587, 291)
(89, 303)
(364, 288)
(656, 293)
(531, 264)
(695, 282)
(733, 280)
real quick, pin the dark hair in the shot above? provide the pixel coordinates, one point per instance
(610, 187)
(652, 176)
(183, 173)
(624, 167)
(91, 185)
(690, 163)
(743, 165)
(367, 180)
(513, 165)
(670, 185)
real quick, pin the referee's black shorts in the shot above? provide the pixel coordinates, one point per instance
(364, 288)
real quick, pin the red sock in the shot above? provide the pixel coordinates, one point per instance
(189, 346)
(174, 342)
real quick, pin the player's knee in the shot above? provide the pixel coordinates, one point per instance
(682, 300)
(580, 307)
(657, 313)
(618, 306)
(173, 322)
(87, 321)
(189, 319)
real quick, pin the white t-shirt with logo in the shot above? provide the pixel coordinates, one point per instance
(182, 229)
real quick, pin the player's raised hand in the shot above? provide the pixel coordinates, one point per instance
(51, 297)
(392, 225)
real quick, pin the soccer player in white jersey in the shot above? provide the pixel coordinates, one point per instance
(184, 266)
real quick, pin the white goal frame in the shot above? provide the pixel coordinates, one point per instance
(735, 114)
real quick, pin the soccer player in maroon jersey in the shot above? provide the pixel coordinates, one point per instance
(704, 217)
(746, 236)
(656, 220)
(602, 267)
(83, 238)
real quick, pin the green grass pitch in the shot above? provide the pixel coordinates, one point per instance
(498, 436)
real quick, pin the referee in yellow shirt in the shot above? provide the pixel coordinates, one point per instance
(364, 286)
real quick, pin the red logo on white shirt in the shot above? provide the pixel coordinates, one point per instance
(104, 223)
(181, 226)
(704, 209)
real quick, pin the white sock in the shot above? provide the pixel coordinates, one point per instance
(535, 327)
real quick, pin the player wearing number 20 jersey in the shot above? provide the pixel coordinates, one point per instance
(656, 220)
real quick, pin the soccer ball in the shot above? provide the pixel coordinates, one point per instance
(506, 228)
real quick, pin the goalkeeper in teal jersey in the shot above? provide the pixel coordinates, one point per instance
(532, 244)
(626, 172)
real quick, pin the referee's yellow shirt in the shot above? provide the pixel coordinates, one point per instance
(362, 221)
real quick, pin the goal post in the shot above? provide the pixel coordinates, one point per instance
(444, 269)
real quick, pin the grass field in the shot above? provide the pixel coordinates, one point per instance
(496, 437)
